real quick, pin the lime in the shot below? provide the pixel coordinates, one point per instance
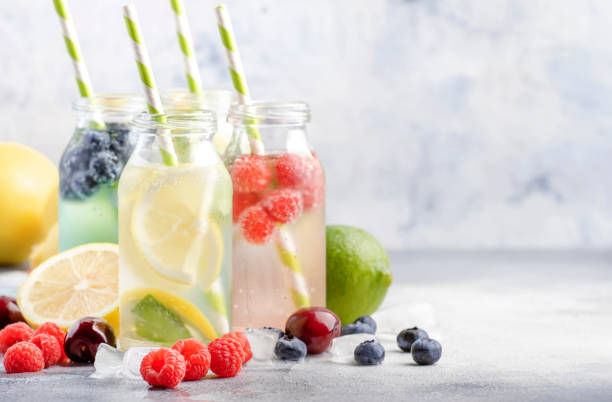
(358, 272)
(156, 322)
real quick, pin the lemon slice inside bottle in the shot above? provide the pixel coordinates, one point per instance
(173, 227)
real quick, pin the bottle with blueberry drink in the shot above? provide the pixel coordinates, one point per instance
(174, 233)
(278, 214)
(216, 100)
(90, 168)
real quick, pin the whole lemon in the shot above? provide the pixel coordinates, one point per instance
(358, 272)
(28, 200)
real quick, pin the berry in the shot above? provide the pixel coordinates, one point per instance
(23, 357)
(241, 201)
(283, 206)
(51, 328)
(426, 352)
(315, 326)
(122, 140)
(293, 170)
(9, 311)
(313, 194)
(81, 185)
(290, 348)
(366, 319)
(95, 141)
(407, 337)
(250, 173)
(246, 346)
(257, 227)
(225, 356)
(13, 333)
(197, 358)
(104, 167)
(357, 328)
(49, 347)
(84, 336)
(163, 368)
(369, 353)
(275, 330)
(74, 159)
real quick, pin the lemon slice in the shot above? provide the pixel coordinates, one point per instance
(186, 309)
(76, 283)
(172, 227)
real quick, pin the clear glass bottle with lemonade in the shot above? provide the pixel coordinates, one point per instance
(174, 234)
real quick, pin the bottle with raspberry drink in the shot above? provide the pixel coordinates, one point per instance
(278, 214)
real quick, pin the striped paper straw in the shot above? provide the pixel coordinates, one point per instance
(192, 72)
(236, 71)
(74, 49)
(145, 71)
(284, 240)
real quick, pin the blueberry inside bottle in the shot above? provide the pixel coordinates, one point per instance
(90, 167)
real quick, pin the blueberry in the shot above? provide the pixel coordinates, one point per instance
(426, 351)
(357, 328)
(81, 185)
(366, 319)
(369, 353)
(407, 337)
(104, 167)
(122, 140)
(275, 330)
(95, 140)
(74, 159)
(290, 348)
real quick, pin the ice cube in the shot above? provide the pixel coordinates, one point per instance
(108, 362)
(343, 347)
(131, 361)
(262, 343)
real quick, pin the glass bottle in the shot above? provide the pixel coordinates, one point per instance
(90, 168)
(174, 234)
(278, 214)
(216, 100)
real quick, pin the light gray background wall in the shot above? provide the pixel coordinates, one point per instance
(441, 124)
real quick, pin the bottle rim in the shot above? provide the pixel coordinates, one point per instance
(110, 103)
(181, 123)
(260, 113)
(209, 98)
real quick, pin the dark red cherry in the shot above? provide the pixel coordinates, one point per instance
(315, 326)
(9, 311)
(84, 336)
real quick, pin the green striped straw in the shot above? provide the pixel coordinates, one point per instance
(74, 51)
(192, 72)
(145, 71)
(284, 239)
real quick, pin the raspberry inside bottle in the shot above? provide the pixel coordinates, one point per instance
(278, 214)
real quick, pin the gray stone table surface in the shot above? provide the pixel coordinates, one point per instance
(529, 326)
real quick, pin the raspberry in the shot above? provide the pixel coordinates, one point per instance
(241, 201)
(313, 195)
(197, 358)
(293, 170)
(246, 346)
(225, 356)
(23, 357)
(257, 226)
(250, 173)
(51, 328)
(49, 347)
(284, 205)
(13, 333)
(163, 368)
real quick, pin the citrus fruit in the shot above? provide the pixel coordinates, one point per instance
(28, 207)
(161, 316)
(358, 272)
(45, 249)
(73, 284)
(173, 229)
